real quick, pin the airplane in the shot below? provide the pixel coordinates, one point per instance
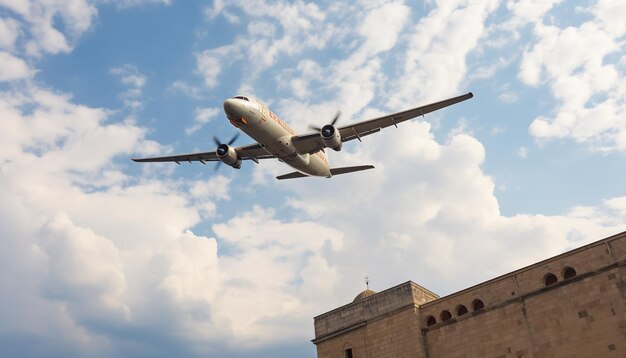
(275, 139)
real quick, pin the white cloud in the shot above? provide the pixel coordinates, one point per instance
(381, 27)
(13, 68)
(131, 3)
(522, 152)
(484, 72)
(434, 65)
(508, 96)
(280, 258)
(444, 219)
(134, 81)
(617, 204)
(299, 26)
(41, 18)
(574, 62)
(202, 117)
(186, 89)
(82, 266)
(205, 193)
(9, 31)
(108, 256)
(527, 11)
(209, 67)
(77, 223)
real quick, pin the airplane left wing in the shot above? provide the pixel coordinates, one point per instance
(311, 142)
(252, 152)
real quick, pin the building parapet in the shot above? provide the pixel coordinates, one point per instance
(384, 303)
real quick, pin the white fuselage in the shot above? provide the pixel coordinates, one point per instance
(274, 135)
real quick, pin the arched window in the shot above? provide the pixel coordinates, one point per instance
(568, 273)
(461, 310)
(477, 305)
(445, 315)
(431, 321)
(550, 279)
(347, 350)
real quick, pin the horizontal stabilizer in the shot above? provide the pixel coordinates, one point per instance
(291, 176)
(344, 170)
(333, 171)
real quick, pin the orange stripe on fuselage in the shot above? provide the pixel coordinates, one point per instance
(280, 122)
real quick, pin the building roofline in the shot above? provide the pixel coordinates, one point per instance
(376, 295)
(526, 268)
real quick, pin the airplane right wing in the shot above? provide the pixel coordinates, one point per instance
(311, 142)
(360, 129)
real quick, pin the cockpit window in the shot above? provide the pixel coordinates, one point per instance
(242, 97)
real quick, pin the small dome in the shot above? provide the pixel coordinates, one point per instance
(363, 295)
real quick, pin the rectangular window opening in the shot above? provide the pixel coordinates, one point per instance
(348, 353)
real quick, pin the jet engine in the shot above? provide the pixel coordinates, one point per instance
(228, 155)
(331, 137)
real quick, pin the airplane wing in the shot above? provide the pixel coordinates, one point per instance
(252, 152)
(311, 142)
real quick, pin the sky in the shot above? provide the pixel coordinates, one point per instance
(101, 256)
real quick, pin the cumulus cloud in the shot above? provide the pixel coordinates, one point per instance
(281, 262)
(44, 32)
(9, 30)
(134, 81)
(107, 254)
(13, 68)
(202, 117)
(446, 217)
(130, 3)
(301, 26)
(381, 27)
(209, 66)
(574, 62)
(435, 60)
(119, 263)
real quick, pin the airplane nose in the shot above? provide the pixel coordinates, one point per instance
(231, 108)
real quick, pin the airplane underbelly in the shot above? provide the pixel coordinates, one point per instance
(313, 166)
(277, 141)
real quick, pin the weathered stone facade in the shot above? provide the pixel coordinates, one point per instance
(571, 305)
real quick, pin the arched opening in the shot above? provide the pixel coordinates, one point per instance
(431, 321)
(478, 305)
(568, 272)
(347, 350)
(461, 310)
(550, 279)
(445, 315)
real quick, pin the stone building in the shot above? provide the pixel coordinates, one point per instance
(571, 305)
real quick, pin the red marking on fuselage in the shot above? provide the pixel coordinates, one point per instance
(281, 123)
(275, 118)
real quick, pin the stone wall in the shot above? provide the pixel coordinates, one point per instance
(385, 322)
(520, 314)
(584, 316)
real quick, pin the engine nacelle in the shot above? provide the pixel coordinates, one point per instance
(228, 155)
(331, 137)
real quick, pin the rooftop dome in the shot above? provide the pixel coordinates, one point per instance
(363, 295)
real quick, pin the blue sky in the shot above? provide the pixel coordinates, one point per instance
(102, 256)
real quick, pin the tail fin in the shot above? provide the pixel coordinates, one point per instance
(333, 171)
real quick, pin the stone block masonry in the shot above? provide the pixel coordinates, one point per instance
(571, 305)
